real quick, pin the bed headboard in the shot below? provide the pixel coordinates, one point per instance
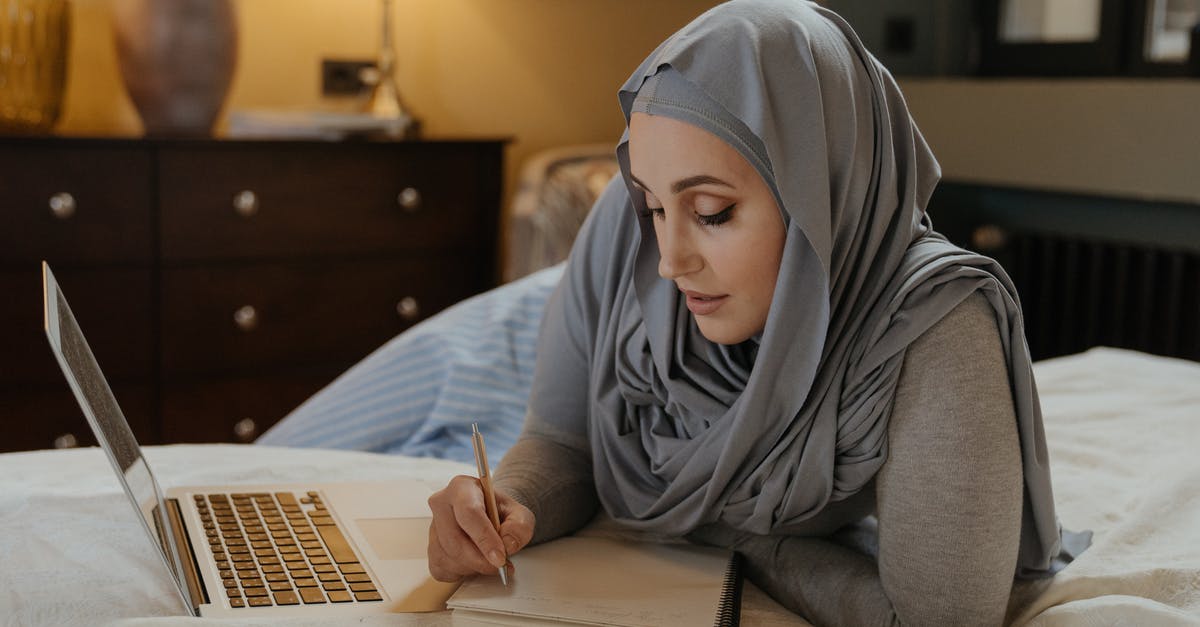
(1090, 271)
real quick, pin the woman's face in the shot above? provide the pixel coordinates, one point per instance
(719, 230)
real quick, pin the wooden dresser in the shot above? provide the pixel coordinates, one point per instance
(220, 283)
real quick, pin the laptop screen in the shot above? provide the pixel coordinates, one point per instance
(107, 421)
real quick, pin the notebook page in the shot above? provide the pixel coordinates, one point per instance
(602, 581)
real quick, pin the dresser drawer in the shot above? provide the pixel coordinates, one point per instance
(74, 204)
(47, 416)
(252, 318)
(233, 410)
(270, 201)
(114, 311)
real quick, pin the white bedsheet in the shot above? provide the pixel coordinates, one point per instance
(1123, 430)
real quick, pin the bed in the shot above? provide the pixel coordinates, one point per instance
(1122, 429)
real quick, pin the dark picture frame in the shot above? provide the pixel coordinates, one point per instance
(1141, 33)
(1099, 57)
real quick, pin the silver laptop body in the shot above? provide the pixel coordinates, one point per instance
(268, 550)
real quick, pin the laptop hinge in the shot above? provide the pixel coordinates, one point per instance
(196, 591)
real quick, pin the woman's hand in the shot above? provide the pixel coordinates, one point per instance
(462, 540)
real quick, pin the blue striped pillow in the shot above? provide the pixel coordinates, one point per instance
(419, 393)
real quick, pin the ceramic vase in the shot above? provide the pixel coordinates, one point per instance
(177, 59)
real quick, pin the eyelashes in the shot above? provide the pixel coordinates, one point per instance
(714, 219)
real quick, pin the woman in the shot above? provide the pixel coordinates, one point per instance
(759, 341)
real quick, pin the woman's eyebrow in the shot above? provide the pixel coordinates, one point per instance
(685, 183)
(699, 179)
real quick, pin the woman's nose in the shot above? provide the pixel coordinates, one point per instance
(677, 256)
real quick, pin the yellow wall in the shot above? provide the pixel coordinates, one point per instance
(543, 72)
(1136, 138)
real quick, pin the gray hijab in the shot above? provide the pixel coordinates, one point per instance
(762, 435)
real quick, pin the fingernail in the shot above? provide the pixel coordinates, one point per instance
(496, 559)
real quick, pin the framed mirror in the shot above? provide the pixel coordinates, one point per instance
(1163, 34)
(1051, 37)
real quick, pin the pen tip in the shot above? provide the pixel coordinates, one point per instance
(504, 575)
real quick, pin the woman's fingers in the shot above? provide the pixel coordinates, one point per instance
(516, 523)
(462, 540)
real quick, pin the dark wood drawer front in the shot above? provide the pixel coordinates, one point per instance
(101, 204)
(233, 410)
(113, 307)
(250, 318)
(310, 200)
(47, 416)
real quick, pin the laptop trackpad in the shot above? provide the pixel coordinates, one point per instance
(396, 538)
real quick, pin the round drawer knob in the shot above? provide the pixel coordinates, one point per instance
(409, 199)
(245, 203)
(245, 430)
(408, 308)
(62, 205)
(66, 440)
(246, 318)
(988, 237)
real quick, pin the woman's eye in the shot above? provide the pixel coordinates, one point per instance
(716, 219)
(657, 212)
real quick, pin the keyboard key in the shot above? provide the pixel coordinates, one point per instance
(238, 602)
(279, 586)
(277, 577)
(351, 567)
(230, 583)
(339, 597)
(367, 596)
(329, 577)
(312, 595)
(319, 560)
(325, 568)
(301, 574)
(254, 592)
(306, 583)
(258, 601)
(272, 568)
(297, 566)
(362, 587)
(252, 583)
(333, 585)
(286, 598)
(357, 577)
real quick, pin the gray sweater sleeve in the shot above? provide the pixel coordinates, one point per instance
(948, 500)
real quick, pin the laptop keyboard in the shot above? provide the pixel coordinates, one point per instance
(281, 549)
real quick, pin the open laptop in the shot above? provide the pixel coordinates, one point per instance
(260, 550)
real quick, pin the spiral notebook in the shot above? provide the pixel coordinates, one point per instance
(591, 580)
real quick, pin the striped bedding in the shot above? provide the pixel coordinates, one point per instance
(419, 393)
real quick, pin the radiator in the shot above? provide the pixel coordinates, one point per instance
(1079, 293)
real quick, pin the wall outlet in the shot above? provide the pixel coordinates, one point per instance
(344, 77)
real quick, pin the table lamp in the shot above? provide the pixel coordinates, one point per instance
(385, 97)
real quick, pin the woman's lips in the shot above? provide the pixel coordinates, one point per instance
(703, 304)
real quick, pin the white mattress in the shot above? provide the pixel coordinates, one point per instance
(1123, 430)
